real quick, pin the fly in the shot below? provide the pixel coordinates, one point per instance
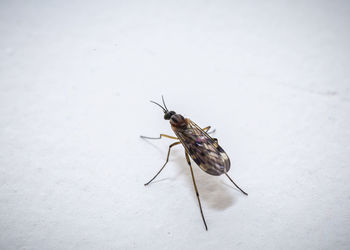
(203, 149)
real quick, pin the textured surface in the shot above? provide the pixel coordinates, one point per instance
(75, 80)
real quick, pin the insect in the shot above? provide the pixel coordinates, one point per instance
(203, 149)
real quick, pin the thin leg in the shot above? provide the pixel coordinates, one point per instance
(195, 187)
(216, 142)
(206, 129)
(235, 184)
(167, 159)
(160, 136)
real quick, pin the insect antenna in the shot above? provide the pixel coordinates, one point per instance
(164, 104)
(164, 110)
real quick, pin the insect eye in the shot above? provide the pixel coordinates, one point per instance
(168, 115)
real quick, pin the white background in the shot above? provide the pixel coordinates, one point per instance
(76, 78)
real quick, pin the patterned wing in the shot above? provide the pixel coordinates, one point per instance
(203, 149)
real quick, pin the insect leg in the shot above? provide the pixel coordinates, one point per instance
(160, 136)
(216, 141)
(167, 158)
(235, 184)
(195, 187)
(206, 129)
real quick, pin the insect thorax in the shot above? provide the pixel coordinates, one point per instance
(178, 121)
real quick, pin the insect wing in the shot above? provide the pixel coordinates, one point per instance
(203, 149)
